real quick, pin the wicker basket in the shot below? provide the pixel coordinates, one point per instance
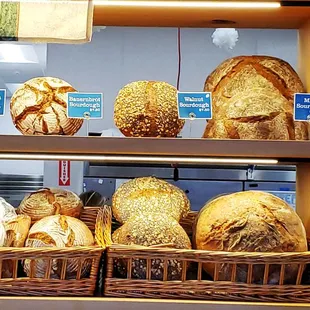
(86, 258)
(194, 283)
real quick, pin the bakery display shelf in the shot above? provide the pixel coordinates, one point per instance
(285, 17)
(51, 303)
(28, 147)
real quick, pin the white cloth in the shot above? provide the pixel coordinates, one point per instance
(55, 21)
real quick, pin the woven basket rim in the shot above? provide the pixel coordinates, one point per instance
(128, 248)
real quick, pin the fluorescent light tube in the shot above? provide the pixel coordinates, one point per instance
(190, 4)
(138, 159)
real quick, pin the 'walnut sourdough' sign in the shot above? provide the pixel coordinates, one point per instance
(194, 105)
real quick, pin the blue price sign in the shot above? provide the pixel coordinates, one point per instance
(194, 105)
(2, 101)
(302, 107)
(85, 105)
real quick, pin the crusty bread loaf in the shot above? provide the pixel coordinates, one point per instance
(58, 231)
(252, 98)
(16, 234)
(147, 109)
(250, 221)
(17, 231)
(152, 230)
(149, 195)
(39, 107)
(50, 201)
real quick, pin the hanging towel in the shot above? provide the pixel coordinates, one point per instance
(46, 21)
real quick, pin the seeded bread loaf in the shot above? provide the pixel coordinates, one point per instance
(149, 195)
(39, 107)
(147, 109)
(252, 98)
(152, 230)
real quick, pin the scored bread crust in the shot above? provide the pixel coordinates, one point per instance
(58, 231)
(50, 201)
(147, 109)
(251, 221)
(252, 98)
(39, 107)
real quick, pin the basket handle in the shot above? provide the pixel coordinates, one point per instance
(103, 228)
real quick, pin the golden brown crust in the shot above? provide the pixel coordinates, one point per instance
(17, 231)
(39, 107)
(258, 216)
(152, 229)
(253, 99)
(50, 201)
(149, 195)
(147, 109)
(250, 221)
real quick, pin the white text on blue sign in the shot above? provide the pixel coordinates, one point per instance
(194, 105)
(302, 107)
(2, 101)
(85, 105)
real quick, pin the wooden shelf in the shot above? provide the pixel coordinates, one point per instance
(291, 151)
(50, 303)
(142, 16)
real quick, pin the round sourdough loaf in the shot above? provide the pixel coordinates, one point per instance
(250, 221)
(152, 230)
(58, 231)
(50, 201)
(39, 107)
(149, 195)
(252, 98)
(147, 109)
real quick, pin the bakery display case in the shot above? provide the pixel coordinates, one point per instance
(242, 149)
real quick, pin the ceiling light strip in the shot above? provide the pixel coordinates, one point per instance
(137, 159)
(190, 4)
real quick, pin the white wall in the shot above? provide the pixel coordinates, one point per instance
(117, 56)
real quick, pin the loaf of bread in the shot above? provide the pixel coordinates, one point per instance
(252, 98)
(147, 109)
(39, 107)
(17, 230)
(149, 195)
(50, 201)
(152, 230)
(58, 231)
(250, 221)
(16, 234)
